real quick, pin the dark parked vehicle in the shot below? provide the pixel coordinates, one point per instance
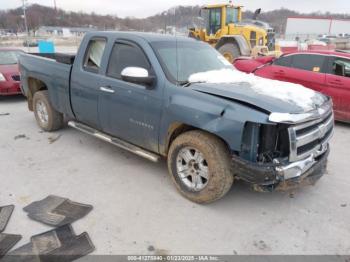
(9, 72)
(160, 96)
(323, 71)
(30, 43)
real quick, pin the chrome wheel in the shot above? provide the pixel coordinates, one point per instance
(42, 112)
(192, 168)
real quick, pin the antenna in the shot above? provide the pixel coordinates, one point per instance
(177, 53)
(24, 3)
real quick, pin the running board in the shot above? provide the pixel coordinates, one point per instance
(115, 141)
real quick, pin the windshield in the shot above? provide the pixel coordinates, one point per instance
(181, 59)
(9, 57)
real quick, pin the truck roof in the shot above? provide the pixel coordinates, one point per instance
(149, 37)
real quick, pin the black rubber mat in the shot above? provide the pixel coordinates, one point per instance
(58, 245)
(57, 211)
(22, 254)
(7, 242)
(5, 214)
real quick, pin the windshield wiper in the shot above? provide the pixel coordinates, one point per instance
(187, 83)
(184, 83)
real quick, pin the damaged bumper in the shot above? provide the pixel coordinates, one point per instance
(267, 178)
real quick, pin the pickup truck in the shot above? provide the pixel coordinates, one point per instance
(177, 98)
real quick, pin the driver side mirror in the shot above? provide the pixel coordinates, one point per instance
(137, 75)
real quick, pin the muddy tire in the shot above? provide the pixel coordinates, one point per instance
(200, 166)
(230, 51)
(46, 116)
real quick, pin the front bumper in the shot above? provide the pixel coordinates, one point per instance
(267, 178)
(10, 88)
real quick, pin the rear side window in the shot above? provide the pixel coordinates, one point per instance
(93, 55)
(340, 67)
(283, 61)
(314, 63)
(126, 55)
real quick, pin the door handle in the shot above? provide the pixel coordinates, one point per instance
(107, 89)
(336, 82)
(280, 72)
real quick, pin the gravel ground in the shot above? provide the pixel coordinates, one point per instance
(138, 211)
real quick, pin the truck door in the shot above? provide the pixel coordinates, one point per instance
(338, 86)
(85, 83)
(126, 110)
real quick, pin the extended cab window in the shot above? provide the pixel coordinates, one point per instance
(341, 67)
(314, 63)
(126, 55)
(93, 56)
(283, 61)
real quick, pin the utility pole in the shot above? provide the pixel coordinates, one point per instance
(24, 3)
(54, 2)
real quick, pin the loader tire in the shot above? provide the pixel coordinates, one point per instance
(230, 51)
(200, 165)
(46, 116)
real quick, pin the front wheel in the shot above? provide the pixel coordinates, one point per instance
(200, 166)
(230, 51)
(46, 116)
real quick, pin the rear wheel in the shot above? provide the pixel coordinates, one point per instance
(200, 166)
(230, 51)
(46, 116)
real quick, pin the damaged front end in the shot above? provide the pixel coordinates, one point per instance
(284, 155)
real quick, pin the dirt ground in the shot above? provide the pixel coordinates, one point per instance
(137, 209)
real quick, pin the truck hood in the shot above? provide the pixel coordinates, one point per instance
(265, 94)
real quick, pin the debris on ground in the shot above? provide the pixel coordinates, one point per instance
(291, 195)
(5, 214)
(261, 245)
(56, 211)
(4, 114)
(343, 205)
(22, 136)
(54, 139)
(150, 248)
(61, 243)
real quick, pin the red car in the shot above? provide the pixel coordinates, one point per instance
(9, 72)
(325, 71)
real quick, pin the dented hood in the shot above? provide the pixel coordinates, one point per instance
(268, 95)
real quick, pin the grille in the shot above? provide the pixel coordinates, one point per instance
(311, 137)
(16, 78)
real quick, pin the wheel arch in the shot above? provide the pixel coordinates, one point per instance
(235, 39)
(34, 85)
(176, 129)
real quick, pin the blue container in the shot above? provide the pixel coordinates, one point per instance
(47, 47)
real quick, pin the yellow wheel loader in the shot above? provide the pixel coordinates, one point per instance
(225, 30)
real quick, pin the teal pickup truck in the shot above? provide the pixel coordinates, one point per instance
(179, 99)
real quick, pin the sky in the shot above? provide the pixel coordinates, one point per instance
(144, 8)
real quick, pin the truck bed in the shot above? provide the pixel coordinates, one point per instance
(59, 57)
(52, 69)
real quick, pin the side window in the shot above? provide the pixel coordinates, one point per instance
(252, 39)
(341, 67)
(126, 55)
(314, 63)
(284, 61)
(215, 20)
(93, 55)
